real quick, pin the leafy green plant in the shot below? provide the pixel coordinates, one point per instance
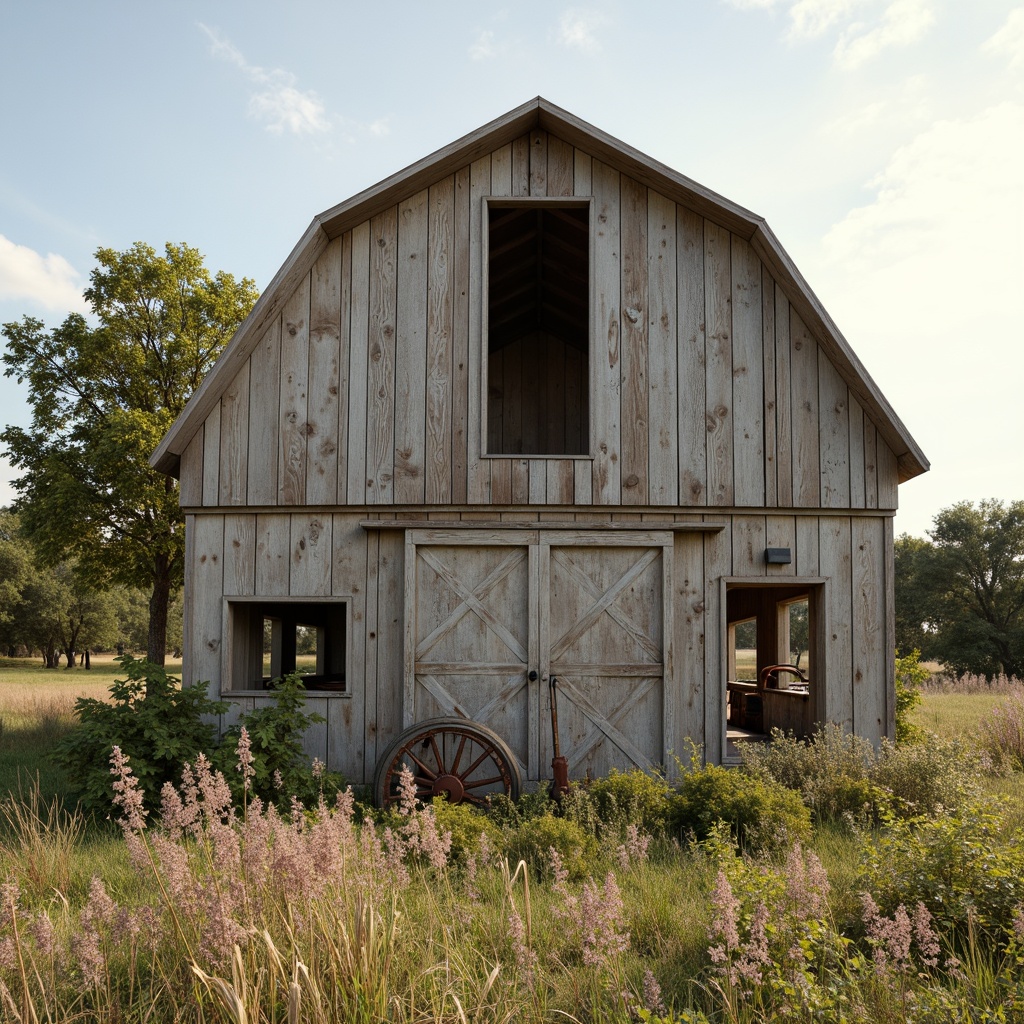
(467, 826)
(280, 767)
(535, 837)
(762, 815)
(156, 722)
(911, 675)
(929, 777)
(630, 798)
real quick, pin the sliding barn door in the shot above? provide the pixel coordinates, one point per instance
(604, 620)
(468, 639)
(486, 609)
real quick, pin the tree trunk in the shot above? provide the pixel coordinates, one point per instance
(156, 648)
(88, 662)
(69, 653)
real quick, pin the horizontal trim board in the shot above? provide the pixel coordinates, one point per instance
(631, 527)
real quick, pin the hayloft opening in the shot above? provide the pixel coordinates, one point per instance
(270, 639)
(538, 328)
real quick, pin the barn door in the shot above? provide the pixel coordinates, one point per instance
(485, 611)
(470, 635)
(604, 621)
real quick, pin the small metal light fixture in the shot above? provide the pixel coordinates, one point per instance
(778, 556)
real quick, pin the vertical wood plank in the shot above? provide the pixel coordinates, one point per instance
(748, 387)
(291, 478)
(606, 375)
(372, 741)
(273, 540)
(804, 373)
(521, 166)
(380, 396)
(345, 368)
(783, 399)
(718, 408)
(633, 366)
(440, 342)
(560, 167)
(501, 481)
(479, 470)
(834, 431)
(211, 457)
(583, 489)
(690, 675)
(834, 541)
(346, 719)
(460, 337)
(560, 481)
(359, 367)
(501, 171)
(538, 163)
(717, 563)
(887, 475)
(889, 598)
(870, 652)
(780, 532)
(538, 482)
(870, 465)
(857, 494)
(240, 555)
(311, 551)
(807, 561)
(234, 439)
(771, 481)
(328, 380)
(207, 601)
(411, 350)
(190, 482)
(521, 481)
(662, 352)
(692, 331)
(264, 416)
(748, 544)
(390, 633)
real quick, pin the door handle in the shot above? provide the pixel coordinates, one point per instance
(532, 676)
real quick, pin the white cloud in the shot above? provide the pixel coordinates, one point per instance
(1009, 40)
(482, 48)
(812, 18)
(903, 23)
(578, 28)
(909, 104)
(278, 103)
(47, 280)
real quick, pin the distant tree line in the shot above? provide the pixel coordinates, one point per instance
(54, 612)
(960, 594)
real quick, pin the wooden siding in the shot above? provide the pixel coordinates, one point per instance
(325, 556)
(707, 388)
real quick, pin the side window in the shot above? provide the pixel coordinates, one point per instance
(270, 639)
(538, 328)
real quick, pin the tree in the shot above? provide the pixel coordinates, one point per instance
(912, 595)
(102, 397)
(969, 583)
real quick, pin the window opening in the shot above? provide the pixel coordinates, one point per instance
(273, 639)
(538, 329)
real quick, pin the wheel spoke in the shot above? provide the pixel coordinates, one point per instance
(430, 774)
(458, 754)
(437, 754)
(483, 782)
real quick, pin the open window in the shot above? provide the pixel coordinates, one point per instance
(772, 680)
(270, 639)
(538, 327)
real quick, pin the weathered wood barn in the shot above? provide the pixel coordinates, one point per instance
(539, 406)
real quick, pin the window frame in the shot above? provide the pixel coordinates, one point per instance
(522, 202)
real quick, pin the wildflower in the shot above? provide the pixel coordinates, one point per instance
(755, 955)
(724, 923)
(807, 884)
(652, 994)
(245, 758)
(634, 849)
(526, 958)
(601, 916)
(406, 791)
(925, 937)
(128, 794)
(890, 938)
(278, 780)
(318, 768)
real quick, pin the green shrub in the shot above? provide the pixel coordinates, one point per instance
(281, 767)
(762, 815)
(535, 837)
(910, 676)
(630, 798)
(831, 772)
(467, 825)
(155, 721)
(928, 777)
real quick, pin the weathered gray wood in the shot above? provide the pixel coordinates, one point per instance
(240, 555)
(460, 336)
(478, 469)
(207, 586)
(869, 633)
(748, 380)
(835, 563)
(804, 403)
(807, 546)
(234, 440)
(273, 538)
(780, 532)
(692, 390)
(857, 494)
(311, 552)
(771, 444)
(291, 471)
(190, 486)
(380, 394)
(358, 407)
(390, 630)
(438, 484)
(783, 399)
(662, 352)
(264, 417)
(890, 628)
(717, 563)
(605, 410)
(538, 163)
(870, 465)
(718, 409)
(560, 167)
(689, 645)
(211, 458)
(634, 342)
(748, 544)
(834, 429)
(411, 350)
(372, 741)
(887, 475)
(328, 377)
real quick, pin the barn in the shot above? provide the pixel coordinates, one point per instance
(539, 408)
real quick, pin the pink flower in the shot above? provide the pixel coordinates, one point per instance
(128, 794)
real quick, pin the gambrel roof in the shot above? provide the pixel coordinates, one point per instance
(539, 114)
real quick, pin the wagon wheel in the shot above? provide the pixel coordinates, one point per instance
(452, 756)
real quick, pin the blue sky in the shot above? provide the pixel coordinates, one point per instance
(883, 140)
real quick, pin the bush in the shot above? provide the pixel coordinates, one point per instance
(928, 777)
(535, 837)
(281, 767)
(630, 798)
(911, 675)
(832, 772)
(155, 721)
(467, 826)
(762, 815)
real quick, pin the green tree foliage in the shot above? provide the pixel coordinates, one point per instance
(969, 587)
(912, 596)
(15, 568)
(102, 397)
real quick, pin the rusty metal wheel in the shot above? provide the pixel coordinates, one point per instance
(454, 757)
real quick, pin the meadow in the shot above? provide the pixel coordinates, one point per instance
(866, 887)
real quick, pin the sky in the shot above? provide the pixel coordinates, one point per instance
(882, 140)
